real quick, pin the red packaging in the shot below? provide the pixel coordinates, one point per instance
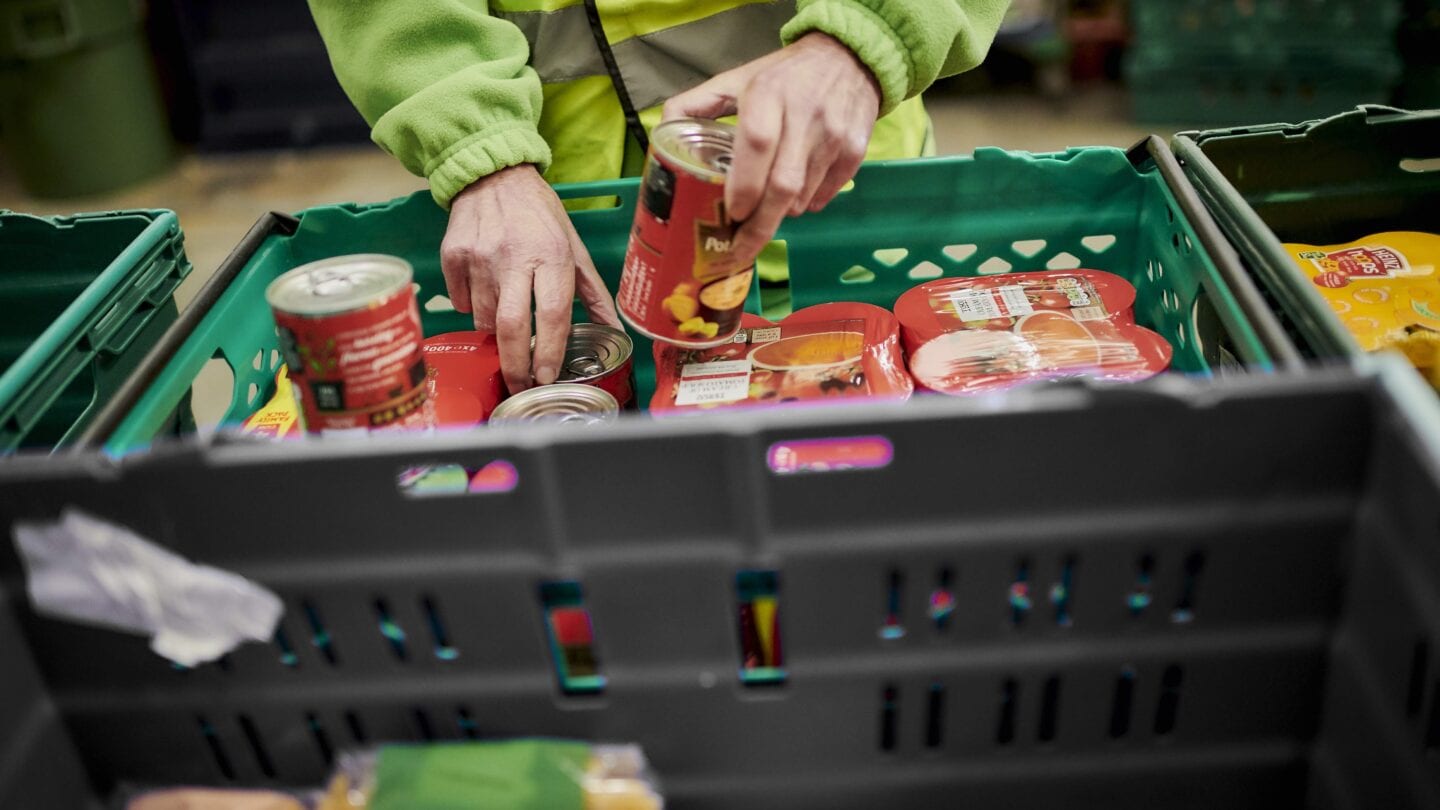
(997, 302)
(463, 383)
(827, 352)
(350, 332)
(680, 284)
(1044, 344)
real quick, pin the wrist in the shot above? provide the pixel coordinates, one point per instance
(519, 173)
(841, 53)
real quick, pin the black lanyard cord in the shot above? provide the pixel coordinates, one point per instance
(632, 119)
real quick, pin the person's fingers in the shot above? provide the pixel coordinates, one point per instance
(756, 145)
(591, 288)
(512, 328)
(554, 296)
(842, 171)
(457, 253)
(823, 154)
(786, 181)
(483, 297)
(712, 99)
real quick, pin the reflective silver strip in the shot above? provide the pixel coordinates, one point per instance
(657, 65)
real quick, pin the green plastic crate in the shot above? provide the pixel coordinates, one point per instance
(85, 297)
(904, 222)
(1212, 88)
(1247, 28)
(1323, 182)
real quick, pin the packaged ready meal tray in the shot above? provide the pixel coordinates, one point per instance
(971, 335)
(828, 352)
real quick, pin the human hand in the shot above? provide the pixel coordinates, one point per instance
(806, 114)
(510, 242)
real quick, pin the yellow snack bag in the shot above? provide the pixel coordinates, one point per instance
(1385, 289)
(280, 417)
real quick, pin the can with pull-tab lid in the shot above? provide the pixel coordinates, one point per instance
(350, 333)
(681, 284)
(563, 403)
(601, 356)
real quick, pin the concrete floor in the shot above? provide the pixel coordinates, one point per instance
(218, 197)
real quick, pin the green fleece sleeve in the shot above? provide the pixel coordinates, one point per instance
(907, 44)
(444, 86)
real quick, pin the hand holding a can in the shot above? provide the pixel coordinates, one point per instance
(510, 245)
(806, 113)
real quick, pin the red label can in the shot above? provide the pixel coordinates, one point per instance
(350, 333)
(464, 384)
(601, 356)
(681, 285)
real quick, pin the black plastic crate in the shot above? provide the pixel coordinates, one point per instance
(1170, 595)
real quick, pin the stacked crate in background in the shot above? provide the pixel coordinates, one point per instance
(1224, 62)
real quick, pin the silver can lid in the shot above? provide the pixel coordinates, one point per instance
(592, 351)
(704, 148)
(339, 284)
(565, 403)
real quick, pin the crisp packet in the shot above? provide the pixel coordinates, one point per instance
(1385, 290)
(515, 774)
(827, 352)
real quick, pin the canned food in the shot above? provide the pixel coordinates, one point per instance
(463, 385)
(681, 284)
(601, 356)
(566, 403)
(350, 332)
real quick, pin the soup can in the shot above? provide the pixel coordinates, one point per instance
(601, 356)
(681, 284)
(350, 333)
(565, 403)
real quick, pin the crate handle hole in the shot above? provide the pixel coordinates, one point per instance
(1121, 703)
(1139, 597)
(572, 638)
(288, 658)
(390, 630)
(423, 729)
(1029, 248)
(442, 480)
(757, 618)
(466, 723)
(319, 635)
(935, 716)
(259, 361)
(216, 748)
(857, 275)
(1049, 709)
(1019, 597)
(924, 271)
(1063, 261)
(1099, 243)
(959, 253)
(942, 600)
(1009, 697)
(889, 704)
(439, 303)
(357, 729)
(994, 266)
(1062, 593)
(257, 746)
(837, 454)
(321, 739)
(444, 650)
(1420, 165)
(1169, 707)
(890, 257)
(892, 628)
(1184, 611)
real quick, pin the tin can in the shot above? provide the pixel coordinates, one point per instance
(350, 332)
(601, 356)
(463, 383)
(566, 403)
(681, 285)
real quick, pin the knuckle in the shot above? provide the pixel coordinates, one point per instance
(787, 184)
(456, 254)
(509, 322)
(759, 140)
